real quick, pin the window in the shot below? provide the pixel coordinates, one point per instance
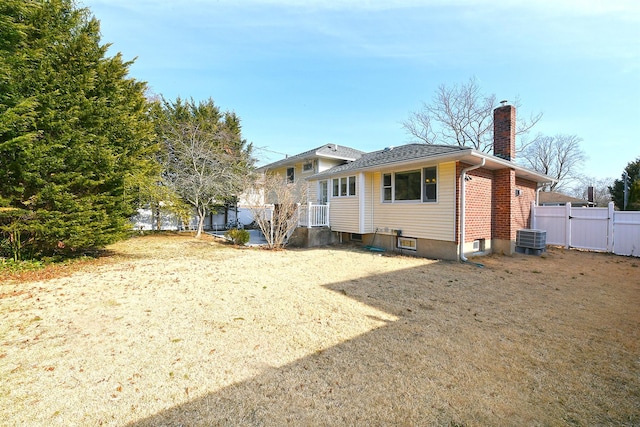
(343, 187)
(406, 185)
(291, 175)
(406, 243)
(307, 167)
(386, 187)
(430, 184)
(356, 237)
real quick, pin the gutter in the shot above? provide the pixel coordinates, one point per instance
(463, 175)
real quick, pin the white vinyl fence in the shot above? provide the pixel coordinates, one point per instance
(598, 229)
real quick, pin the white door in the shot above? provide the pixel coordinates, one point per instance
(323, 192)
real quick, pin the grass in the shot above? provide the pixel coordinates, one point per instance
(172, 331)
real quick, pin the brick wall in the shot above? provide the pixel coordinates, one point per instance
(504, 185)
(478, 201)
(521, 206)
(493, 211)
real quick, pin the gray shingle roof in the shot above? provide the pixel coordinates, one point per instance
(327, 150)
(392, 155)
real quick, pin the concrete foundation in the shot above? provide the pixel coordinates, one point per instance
(503, 247)
(311, 237)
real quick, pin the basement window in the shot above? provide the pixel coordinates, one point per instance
(478, 245)
(356, 237)
(407, 243)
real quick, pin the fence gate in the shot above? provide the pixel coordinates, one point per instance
(589, 228)
(599, 229)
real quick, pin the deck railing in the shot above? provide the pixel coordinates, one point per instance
(312, 215)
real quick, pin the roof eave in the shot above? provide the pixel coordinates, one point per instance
(472, 156)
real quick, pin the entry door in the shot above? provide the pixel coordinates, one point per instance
(323, 193)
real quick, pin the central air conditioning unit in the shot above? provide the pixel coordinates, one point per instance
(531, 241)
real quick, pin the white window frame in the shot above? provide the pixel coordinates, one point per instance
(347, 186)
(387, 187)
(291, 178)
(307, 167)
(425, 183)
(407, 243)
(392, 186)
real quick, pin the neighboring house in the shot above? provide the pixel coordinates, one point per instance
(553, 198)
(435, 201)
(304, 165)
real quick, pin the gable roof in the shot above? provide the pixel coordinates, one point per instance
(415, 153)
(392, 155)
(332, 151)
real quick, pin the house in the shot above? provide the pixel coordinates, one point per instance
(553, 198)
(436, 201)
(304, 165)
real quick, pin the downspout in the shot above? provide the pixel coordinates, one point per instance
(463, 175)
(541, 187)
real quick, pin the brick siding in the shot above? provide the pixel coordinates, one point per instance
(493, 211)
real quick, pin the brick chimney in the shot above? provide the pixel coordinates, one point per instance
(504, 131)
(503, 229)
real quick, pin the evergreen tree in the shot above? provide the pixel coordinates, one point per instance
(207, 163)
(74, 131)
(632, 172)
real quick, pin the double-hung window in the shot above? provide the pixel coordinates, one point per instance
(387, 189)
(344, 187)
(414, 185)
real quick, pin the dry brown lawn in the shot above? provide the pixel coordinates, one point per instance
(173, 331)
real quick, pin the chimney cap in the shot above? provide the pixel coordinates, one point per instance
(504, 102)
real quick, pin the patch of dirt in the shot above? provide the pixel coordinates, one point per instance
(174, 331)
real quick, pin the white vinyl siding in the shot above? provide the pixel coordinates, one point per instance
(345, 214)
(434, 220)
(324, 164)
(312, 191)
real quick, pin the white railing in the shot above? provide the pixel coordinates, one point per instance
(314, 215)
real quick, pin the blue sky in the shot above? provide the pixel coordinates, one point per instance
(302, 73)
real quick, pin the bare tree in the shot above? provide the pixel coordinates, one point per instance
(560, 157)
(275, 205)
(206, 162)
(601, 194)
(461, 115)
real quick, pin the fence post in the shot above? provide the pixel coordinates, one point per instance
(610, 229)
(567, 226)
(309, 215)
(327, 220)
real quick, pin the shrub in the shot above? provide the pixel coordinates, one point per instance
(237, 236)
